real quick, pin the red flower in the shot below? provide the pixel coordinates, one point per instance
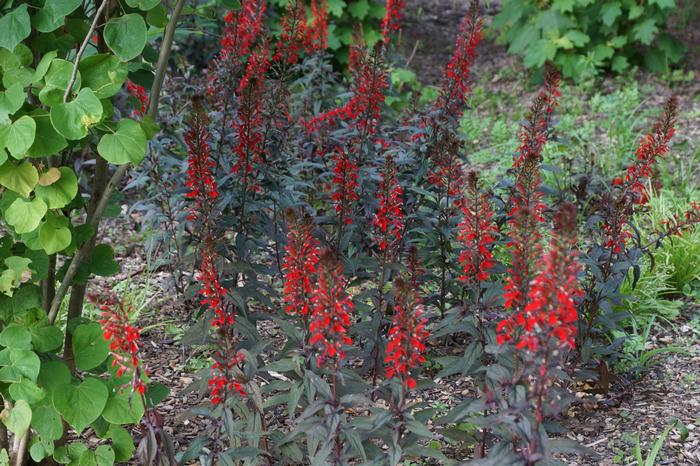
(123, 338)
(318, 30)
(249, 125)
(477, 232)
(344, 186)
(330, 314)
(300, 266)
(212, 293)
(139, 94)
(631, 191)
(392, 19)
(550, 316)
(406, 345)
(240, 34)
(455, 82)
(364, 107)
(200, 167)
(222, 381)
(388, 222)
(527, 208)
(294, 37)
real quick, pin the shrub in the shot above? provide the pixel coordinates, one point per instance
(584, 37)
(357, 234)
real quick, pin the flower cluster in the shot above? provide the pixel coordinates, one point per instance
(222, 381)
(477, 232)
(202, 186)
(652, 146)
(294, 37)
(446, 173)
(344, 186)
(212, 293)
(455, 83)
(300, 265)
(407, 335)
(122, 336)
(631, 190)
(364, 107)
(249, 125)
(526, 206)
(388, 222)
(242, 30)
(139, 94)
(675, 226)
(330, 313)
(318, 30)
(392, 19)
(550, 316)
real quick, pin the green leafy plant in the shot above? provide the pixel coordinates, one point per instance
(66, 141)
(585, 36)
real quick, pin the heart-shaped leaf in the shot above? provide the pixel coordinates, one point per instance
(56, 80)
(89, 346)
(19, 418)
(19, 136)
(73, 119)
(25, 216)
(104, 74)
(47, 422)
(82, 404)
(11, 100)
(62, 191)
(54, 234)
(20, 178)
(26, 390)
(15, 27)
(126, 145)
(122, 408)
(47, 140)
(126, 36)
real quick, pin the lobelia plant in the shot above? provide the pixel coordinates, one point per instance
(339, 248)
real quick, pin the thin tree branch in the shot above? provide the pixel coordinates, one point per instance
(83, 46)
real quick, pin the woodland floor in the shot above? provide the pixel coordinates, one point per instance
(604, 422)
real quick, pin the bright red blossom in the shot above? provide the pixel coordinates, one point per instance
(388, 222)
(294, 37)
(392, 19)
(300, 266)
(138, 93)
(222, 381)
(123, 338)
(550, 316)
(407, 336)
(344, 186)
(477, 232)
(455, 82)
(330, 314)
(200, 167)
(249, 125)
(318, 30)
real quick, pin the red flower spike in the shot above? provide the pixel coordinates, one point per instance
(294, 37)
(388, 222)
(200, 166)
(318, 30)
(631, 190)
(249, 148)
(330, 313)
(123, 337)
(242, 30)
(364, 107)
(455, 82)
(527, 208)
(549, 317)
(222, 382)
(138, 93)
(392, 19)
(300, 266)
(213, 295)
(407, 336)
(477, 232)
(344, 186)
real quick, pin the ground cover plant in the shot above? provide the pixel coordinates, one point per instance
(338, 253)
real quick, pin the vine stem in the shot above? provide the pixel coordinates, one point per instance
(83, 46)
(121, 171)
